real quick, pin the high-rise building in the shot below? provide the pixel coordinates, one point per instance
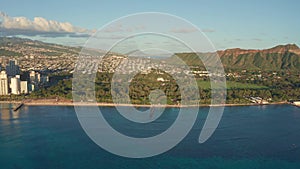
(31, 87)
(32, 76)
(35, 77)
(15, 85)
(24, 87)
(12, 69)
(3, 83)
(44, 79)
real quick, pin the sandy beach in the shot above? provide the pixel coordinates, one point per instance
(53, 102)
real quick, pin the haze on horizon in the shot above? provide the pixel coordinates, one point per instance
(234, 24)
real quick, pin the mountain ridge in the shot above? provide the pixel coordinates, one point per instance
(280, 57)
(277, 49)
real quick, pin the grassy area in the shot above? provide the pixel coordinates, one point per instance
(51, 53)
(4, 52)
(232, 85)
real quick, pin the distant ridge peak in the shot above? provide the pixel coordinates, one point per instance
(287, 47)
(284, 48)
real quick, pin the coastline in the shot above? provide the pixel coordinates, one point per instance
(47, 102)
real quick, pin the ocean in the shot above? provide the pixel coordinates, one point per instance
(248, 137)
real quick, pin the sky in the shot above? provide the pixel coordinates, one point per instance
(249, 24)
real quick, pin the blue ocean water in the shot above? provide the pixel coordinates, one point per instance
(248, 137)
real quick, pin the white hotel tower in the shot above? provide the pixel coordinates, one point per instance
(3, 83)
(15, 85)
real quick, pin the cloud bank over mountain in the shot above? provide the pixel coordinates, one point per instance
(38, 26)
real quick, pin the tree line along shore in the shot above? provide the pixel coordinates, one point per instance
(239, 91)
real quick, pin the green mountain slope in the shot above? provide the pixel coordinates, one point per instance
(285, 57)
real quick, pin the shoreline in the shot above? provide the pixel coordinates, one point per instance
(48, 102)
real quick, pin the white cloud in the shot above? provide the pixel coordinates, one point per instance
(38, 25)
(190, 30)
(118, 27)
(183, 30)
(208, 30)
(257, 39)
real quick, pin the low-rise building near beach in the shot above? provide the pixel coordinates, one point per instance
(296, 103)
